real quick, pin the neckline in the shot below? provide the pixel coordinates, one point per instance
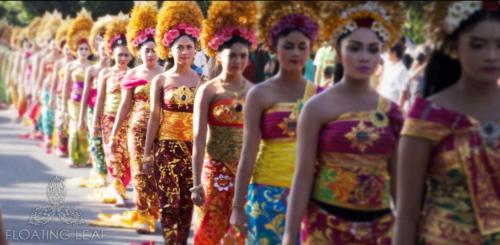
(378, 108)
(471, 119)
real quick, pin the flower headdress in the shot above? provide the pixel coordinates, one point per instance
(176, 19)
(62, 32)
(385, 18)
(444, 18)
(141, 26)
(276, 17)
(6, 33)
(97, 32)
(48, 28)
(116, 32)
(32, 28)
(226, 20)
(79, 30)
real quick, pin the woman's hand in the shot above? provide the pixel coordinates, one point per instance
(198, 195)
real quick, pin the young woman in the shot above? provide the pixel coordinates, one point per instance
(289, 29)
(134, 108)
(98, 173)
(449, 155)
(106, 107)
(56, 102)
(218, 109)
(73, 86)
(345, 164)
(170, 122)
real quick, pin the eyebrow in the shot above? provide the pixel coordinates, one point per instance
(360, 43)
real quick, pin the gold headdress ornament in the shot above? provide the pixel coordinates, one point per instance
(385, 18)
(175, 19)
(7, 33)
(14, 37)
(62, 31)
(142, 25)
(444, 18)
(116, 32)
(277, 16)
(226, 20)
(32, 28)
(79, 30)
(98, 30)
(50, 27)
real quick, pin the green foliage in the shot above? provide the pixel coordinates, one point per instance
(414, 27)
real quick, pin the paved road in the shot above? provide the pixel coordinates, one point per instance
(25, 173)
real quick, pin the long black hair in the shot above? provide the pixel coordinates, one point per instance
(442, 71)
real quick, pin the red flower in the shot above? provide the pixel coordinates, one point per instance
(490, 6)
(299, 21)
(365, 22)
(236, 32)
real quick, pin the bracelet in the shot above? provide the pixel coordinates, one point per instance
(147, 158)
(194, 188)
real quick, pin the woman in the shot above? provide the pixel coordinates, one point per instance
(135, 106)
(449, 155)
(290, 30)
(56, 102)
(98, 173)
(345, 167)
(73, 83)
(170, 121)
(106, 107)
(218, 106)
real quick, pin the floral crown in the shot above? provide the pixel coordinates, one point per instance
(177, 18)
(115, 32)
(227, 20)
(142, 25)
(79, 30)
(275, 17)
(444, 18)
(461, 10)
(384, 18)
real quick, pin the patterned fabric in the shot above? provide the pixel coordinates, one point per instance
(462, 204)
(117, 160)
(146, 199)
(47, 116)
(173, 168)
(321, 227)
(173, 173)
(354, 151)
(225, 120)
(96, 147)
(273, 174)
(78, 144)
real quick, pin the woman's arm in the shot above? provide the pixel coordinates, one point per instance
(154, 114)
(200, 119)
(413, 158)
(101, 98)
(251, 138)
(53, 83)
(123, 111)
(66, 86)
(82, 119)
(307, 142)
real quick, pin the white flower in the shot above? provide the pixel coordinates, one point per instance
(223, 182)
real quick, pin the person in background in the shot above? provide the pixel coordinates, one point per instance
(327, 77)
(325, 57)
(260, 57)
(309, 69)
(394, 84)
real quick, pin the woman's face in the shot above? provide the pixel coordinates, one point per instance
(83, 50)
(293, 50)
(478, 51)
(148, 54)
(122, 56)
(234, 60)
(360, 54)
(183, 50)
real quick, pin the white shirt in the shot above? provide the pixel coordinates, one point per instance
(395, 79)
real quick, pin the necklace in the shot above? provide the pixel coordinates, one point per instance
(237, 105)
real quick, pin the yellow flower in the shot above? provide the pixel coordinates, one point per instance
(362, 136)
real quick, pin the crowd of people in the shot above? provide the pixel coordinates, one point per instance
(232, 120)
